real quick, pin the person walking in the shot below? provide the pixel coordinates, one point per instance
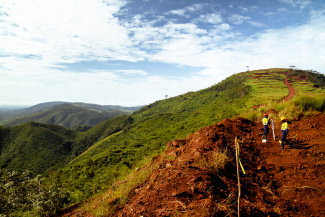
(266, 123)
(284, 131)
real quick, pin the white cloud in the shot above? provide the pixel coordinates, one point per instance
(38, 36)
(179, 12)
(58, 31)
(270, 14)
(257, 24)
(189, 9)
(133, 72)
(247, 9)
(297, 45)
(238, 19)
(297, 3)
(243, 9)
(210, 18)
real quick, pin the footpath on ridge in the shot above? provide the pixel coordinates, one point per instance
(278, 182)
(292, 92)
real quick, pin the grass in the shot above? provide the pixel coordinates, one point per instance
(306, 105)
(220, 158)
(266, 87)
(94, 146)
(104, 204)
(311, 103)
(215, 163)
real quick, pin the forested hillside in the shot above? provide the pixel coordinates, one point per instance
(40, 147)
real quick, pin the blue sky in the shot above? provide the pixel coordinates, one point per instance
(134, 52)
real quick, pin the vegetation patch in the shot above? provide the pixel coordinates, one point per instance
(23, 195)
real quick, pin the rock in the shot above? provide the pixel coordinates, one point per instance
(261, 167)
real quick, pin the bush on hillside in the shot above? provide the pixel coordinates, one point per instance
(21, 195)
(307, 103)
(313, 76)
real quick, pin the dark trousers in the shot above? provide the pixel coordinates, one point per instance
(266, 131)
(284, 137)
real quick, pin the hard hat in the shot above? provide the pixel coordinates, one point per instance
(265, 114)
(282, 118)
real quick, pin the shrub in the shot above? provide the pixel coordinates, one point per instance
(21, 195)
(217, 162)
(252, 115)
(220, 159)
(307, 103)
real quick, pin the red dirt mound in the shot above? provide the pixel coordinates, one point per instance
(277, 182)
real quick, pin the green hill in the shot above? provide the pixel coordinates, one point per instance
(35, 147)
(153, 126)
(68, 115)
(39, 147)
(78, 116)
(12, 112)
(107, 152)
(174, 118)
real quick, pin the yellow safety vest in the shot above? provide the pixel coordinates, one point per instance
(284, 126)
(265, 121)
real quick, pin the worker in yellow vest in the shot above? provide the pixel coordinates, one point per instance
(284, 131)
(266, 123)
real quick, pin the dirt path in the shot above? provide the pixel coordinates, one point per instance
(292, 91)
(291, 94)
(277, 182)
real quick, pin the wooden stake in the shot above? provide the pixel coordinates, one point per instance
(238, 173)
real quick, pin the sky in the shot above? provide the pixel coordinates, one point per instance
(135, 52)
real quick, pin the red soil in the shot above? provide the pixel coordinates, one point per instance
(278, 182)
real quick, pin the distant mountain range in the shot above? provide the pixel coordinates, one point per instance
(71, 115)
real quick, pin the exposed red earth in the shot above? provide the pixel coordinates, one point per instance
(277, 182)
